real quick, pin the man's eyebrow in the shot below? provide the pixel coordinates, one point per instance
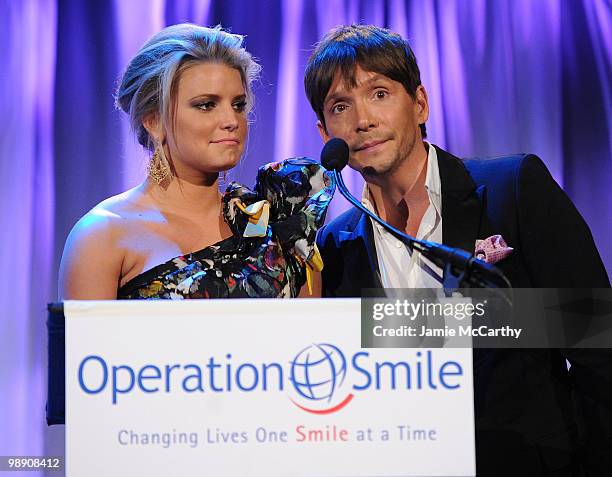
(375, 78)
(343, 95)
(335, 97)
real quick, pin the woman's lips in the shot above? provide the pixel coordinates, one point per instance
(226, 141)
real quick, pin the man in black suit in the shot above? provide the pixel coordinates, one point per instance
(533, 416)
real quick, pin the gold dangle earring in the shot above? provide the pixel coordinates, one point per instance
(158, 167)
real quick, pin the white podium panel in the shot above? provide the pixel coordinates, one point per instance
(257, 388)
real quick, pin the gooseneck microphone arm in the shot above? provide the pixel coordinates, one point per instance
(460, 268)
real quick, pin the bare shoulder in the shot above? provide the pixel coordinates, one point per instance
(104, 224)
(93, 255)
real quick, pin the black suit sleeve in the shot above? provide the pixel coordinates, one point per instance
(556, 241)
(560, 253)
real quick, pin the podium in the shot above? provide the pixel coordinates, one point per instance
(56, 365)
(251, 387)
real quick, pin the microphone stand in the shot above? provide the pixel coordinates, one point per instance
(461, 268)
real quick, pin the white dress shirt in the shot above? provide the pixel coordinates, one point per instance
(398, 267)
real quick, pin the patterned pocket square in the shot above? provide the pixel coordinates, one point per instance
(492, 249)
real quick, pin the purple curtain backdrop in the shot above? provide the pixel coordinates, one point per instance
(503, 76)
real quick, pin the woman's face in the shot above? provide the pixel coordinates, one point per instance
(210, 124)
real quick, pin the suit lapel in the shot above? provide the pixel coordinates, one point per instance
(462, 207)
(359, 229)
(462, 211)
(462, 203)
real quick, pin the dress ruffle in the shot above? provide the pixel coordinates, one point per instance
(298, 191)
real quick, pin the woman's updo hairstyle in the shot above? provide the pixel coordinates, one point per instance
(150, 80)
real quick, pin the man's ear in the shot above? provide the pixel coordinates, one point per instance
(152, 124)
(323, 132)
(422, 103)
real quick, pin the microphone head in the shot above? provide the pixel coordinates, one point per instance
(335, 154)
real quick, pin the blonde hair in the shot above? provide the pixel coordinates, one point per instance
(150, 80)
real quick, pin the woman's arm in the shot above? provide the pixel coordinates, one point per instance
(91, 263)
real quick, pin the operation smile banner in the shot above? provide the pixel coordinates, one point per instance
(257, 387)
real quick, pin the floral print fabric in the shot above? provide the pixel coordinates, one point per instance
(285, 210)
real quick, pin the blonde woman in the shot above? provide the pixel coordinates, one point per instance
(188, 93)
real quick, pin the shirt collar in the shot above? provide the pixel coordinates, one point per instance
(433, 184)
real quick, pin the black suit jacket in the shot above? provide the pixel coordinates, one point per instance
(533, 416)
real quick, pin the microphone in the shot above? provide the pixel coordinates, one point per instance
(335, 154)
(460, 267)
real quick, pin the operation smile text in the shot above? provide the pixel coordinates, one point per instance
(360, 374)
(96, 376)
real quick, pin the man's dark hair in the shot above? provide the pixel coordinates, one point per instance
(373, 48)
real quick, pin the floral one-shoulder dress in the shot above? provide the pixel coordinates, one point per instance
(272, 250)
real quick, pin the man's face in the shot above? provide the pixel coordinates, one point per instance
(377, 118)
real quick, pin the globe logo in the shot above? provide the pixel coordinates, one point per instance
(318, 371)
